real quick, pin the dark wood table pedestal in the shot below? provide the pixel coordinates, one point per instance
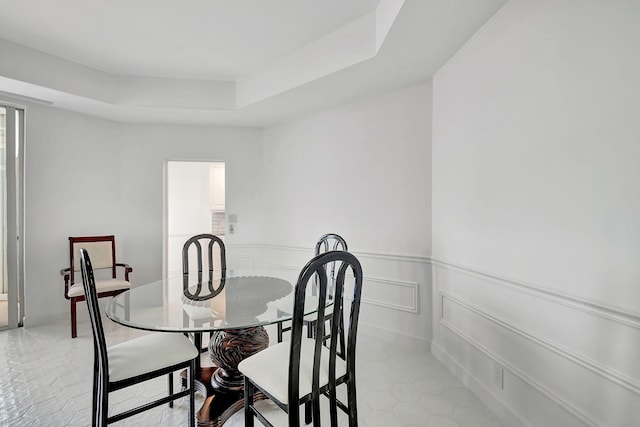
(223, 384)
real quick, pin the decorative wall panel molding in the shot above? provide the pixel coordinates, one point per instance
(406, 294)
(531, 382)
(611, 313)
(596, 368)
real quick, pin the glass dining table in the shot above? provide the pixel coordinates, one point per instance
(233, 305)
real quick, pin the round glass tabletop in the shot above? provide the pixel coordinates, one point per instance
(233, 300)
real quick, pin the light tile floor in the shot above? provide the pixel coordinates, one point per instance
(45, 380)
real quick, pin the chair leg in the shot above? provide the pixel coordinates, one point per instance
(192, 386)
(248, 402)
(95, 401)
(294, 415)
(170, 388)
(281, 328)
(205, 342)
(316, 412)
(333, 406)
(352, 403)
(308, 416)
(101, 405)
(197, 341)
(74, 327)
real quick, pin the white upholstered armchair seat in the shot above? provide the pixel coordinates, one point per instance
(269, 369)
(104, 285)
(148, 353)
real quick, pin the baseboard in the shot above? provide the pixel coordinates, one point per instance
(508, 416)
(33, 321)
(367, 330)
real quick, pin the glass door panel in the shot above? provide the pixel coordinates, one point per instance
(11, 165)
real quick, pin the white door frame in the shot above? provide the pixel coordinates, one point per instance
(165, 219)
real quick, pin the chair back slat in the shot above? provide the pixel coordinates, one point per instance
(326, 243)
(101, 364)
(89, 284)
(319, 343)
(354, 314)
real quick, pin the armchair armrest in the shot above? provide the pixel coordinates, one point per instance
(127, 269)
(66, 274)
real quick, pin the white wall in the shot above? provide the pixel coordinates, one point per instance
(362, 171)
(90, 176)
(536, 214)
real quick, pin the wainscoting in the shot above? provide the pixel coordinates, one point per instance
(537, 357)
(396, 296)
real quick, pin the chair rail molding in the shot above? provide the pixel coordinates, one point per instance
(376, 255)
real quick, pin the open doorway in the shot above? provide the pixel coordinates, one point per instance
(195, 204)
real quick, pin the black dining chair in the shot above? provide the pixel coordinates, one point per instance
(200, 245)
(134, 361)
(302, 370)
(327, 242)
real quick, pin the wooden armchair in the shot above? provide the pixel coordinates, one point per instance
(102, 250)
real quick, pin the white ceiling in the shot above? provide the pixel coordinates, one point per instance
(241, 62)
(194, 39)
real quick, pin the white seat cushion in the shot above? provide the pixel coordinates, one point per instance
(148, 353)
(269, 369)
(105, 285)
